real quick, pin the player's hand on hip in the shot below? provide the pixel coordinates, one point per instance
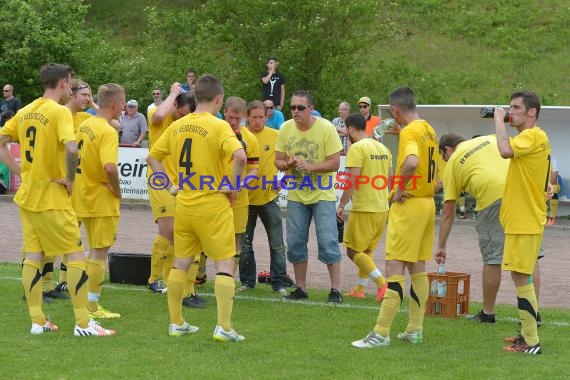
(63, 181)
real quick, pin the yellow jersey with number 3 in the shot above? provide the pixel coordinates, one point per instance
(199, 143)
(98, 144)
(42, 128)
(523, 210)
(418, 138)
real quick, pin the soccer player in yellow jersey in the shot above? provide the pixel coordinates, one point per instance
(96, 196)
(234, 113)
(523, 211)
(263, 204)
(162, 203)
(369, 165)
(475, 166)
(203, 220)
(79, 100)
(411, 223)
(44, 130)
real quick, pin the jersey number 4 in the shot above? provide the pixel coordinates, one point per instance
(185, 160)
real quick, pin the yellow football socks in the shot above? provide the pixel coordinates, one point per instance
(47, 274)
(366, 264)
(225, 289)
(96, 274)
(528, 308)
(390, 305)
(176, 282)
(32, 283)
(77, 288)
(191, 276)
(157, 256)
(419, 292)
(168, 261)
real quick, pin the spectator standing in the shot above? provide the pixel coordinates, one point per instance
(191, 77)
(365, 105)
(9, 105)
(156, 101)
(273, 84)
(275, 117)
(133, 125)
(338, 122)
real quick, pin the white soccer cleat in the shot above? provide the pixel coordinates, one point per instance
(221, 335)
(186, 328)
(40, 329)
(372, 340)
(93, 329)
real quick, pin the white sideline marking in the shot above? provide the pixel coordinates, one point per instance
(134, 288)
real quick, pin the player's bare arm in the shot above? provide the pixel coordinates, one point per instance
(6, 156)
(408, 169)
(503, 141)
(113, 179)
(346, 194)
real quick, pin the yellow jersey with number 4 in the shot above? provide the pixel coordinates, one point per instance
(199, 143)
(42, 128)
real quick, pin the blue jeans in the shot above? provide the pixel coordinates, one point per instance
(299, 218)
(270, 215)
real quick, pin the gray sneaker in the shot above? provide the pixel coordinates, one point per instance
(335, 296)
(193, 301)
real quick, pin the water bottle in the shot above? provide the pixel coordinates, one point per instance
(384, 126)
(441, 288)
(441, 269)
(433, 287)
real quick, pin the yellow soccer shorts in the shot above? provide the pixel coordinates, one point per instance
(53, 232)
(162, 203)
(411, 227)
(521, 252)
(364, 230)
(101, 231)
(212, 234)
(240, 219)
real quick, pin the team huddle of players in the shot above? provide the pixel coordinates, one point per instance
(69, 175)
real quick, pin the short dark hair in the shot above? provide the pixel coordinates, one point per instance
(304, 94)
(403, 98)
(356, 121)
(451, 140)
(207, 88)
(52, 73)
(269, 59)
(530, 100)
(186, 98)
(191, 70)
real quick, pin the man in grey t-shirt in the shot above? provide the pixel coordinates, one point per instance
(133, 125)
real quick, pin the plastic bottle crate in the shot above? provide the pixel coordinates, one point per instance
(456, 300)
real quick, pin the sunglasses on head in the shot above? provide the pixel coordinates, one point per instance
(298, 108)
(363, 106)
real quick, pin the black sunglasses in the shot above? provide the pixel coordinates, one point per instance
(156, 93)
(269, 108)
(363, 106)
(298, 108)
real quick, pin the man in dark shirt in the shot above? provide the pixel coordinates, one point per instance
(273, 84)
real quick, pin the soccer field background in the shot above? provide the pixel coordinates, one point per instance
(284, 340)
